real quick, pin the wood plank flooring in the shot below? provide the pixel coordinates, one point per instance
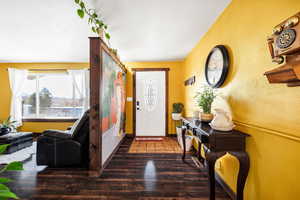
(129, 176)
(167, 145)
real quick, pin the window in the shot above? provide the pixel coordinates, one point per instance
(52, 96)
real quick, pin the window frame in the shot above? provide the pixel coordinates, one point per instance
(47, 119)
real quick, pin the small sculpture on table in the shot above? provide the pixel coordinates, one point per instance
(222, 121)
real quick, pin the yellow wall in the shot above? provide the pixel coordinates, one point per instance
(175, 90)
(6, 94)
(269, 113)
(175, 87)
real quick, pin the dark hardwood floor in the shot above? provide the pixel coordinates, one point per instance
(128, 176)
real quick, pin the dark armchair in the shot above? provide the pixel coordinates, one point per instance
(65, 148)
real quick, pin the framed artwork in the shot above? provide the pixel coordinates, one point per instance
(216, 66)
(113, 96)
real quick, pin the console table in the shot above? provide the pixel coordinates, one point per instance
(216, 144)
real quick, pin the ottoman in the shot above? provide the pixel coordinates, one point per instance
(16, 141)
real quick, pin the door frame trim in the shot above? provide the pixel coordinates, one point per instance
(134, 70)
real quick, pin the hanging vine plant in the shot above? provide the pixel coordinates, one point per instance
(97, 24)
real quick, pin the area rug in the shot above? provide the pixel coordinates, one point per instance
(165, 145)
(19, 156)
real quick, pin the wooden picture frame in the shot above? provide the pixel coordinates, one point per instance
(97, 47)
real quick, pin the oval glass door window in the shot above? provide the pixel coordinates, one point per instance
(150, 94)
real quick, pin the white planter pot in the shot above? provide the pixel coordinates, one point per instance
(188, 139)
(176, 116)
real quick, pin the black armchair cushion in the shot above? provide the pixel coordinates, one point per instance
(56, 152)
(65, 148)
(57, 134)
(82, 128)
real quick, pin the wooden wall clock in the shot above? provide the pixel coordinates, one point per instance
(216, 66)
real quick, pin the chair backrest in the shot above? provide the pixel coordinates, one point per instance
(81, 131)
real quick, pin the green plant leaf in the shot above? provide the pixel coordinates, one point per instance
(94, 15)
(77, 1)
(14, 166)
(81, 4)
(80, 13)
(94, 30)
(105, 26)
(100, 23)
(107, 36)
(3, 148)
(5, 180)
(5, 194)
(4, 188)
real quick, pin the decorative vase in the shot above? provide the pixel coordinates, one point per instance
(4, 131)
(176, 116)
(206, 117)
(222, 121)
(196, 114)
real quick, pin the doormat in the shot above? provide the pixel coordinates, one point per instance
(149, 139)
(166, 145)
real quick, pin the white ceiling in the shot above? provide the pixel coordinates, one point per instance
(141, 30)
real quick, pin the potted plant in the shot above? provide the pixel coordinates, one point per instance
(177, 110)
(5, 192)
(7, 126)
(204, 100)
(95, 21)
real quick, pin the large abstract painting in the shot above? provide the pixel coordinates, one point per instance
(113, 96)
(112, 103)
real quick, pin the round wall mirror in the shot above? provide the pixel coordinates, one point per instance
(216, 66)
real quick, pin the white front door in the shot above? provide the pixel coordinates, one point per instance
(150, 103)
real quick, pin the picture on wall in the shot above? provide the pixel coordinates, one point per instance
(113, 96)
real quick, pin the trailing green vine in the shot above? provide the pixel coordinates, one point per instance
(94, 20)
(5, 192)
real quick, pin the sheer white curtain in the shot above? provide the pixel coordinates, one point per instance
(81, 80)
(17, 79)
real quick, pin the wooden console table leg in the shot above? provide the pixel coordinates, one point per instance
(211, 158)
(183, 132)
(243, 173)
